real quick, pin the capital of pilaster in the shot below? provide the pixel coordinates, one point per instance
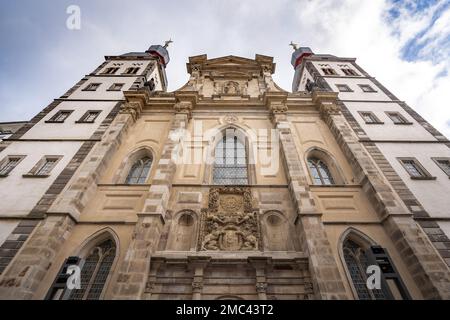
(183, 107)
(326, 102)
(132, 108)
(261, 287)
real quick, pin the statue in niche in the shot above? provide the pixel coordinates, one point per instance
(231, 87)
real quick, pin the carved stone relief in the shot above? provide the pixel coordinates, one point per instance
(229, 223)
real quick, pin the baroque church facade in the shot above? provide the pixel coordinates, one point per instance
(227, 188)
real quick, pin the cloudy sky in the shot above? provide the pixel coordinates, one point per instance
(405, 44)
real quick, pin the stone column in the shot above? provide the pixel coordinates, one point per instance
(199, 264)
(260, 264)
(24, 274)
(424, 263)
(325, 275)
(134, 269)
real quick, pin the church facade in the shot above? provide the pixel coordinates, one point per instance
(227, 188)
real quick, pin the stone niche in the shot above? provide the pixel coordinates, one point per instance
(229, 223)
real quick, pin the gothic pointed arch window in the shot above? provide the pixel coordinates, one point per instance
(323, 168)
(139, 171)
(95, 270)
(358, 253)
(230, 164)
(320, 172)
(94, 264)
(357, 261)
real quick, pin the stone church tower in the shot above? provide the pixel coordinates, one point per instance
(227, 188)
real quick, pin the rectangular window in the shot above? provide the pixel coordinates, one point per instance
(8, 164)
(444, 164)
(89, 116)
(92, 87)
(43, 168)
(366, 88)
(343, 88)
(349, 72)
(132, 70)
(415, 169)
(60, 116)
(369, 117)
(397, 118)
(116, 87)
(329, 71)
(110, 70)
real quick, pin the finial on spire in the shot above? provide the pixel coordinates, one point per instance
(293, 45)
(167, 43)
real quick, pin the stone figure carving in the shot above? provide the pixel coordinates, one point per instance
(231, 87)
(229, 223)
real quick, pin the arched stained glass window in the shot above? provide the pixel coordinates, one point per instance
(320, 173)
(95, 271)
(230, 165)
(357, 262)
(139, 171)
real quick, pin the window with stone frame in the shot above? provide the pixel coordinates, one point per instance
(444, 164)
(139, 171)
(369, 117)
(329, 71)
(8, 164)
(116, 87)
(230, 164)
(89, 116)
(95, 271)
(132, 70)
(357, 260)
(343, 88)
(349, 72)
(92, 87)
(60, 116)
(44, 167)
(397, 118)
(320, 172)
(111, 70)
(415, 169)
(366, 88)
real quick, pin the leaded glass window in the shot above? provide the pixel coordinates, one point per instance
(46, 167)
(139, 171)
(230, 166)
(413, 169)
(357, 262)
(95, 271)
(8, 165)
(319, 171)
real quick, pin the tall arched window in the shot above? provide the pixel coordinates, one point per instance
(139, 171)
(230, 165)
(95, 271)
(357, 261)
(320, 173)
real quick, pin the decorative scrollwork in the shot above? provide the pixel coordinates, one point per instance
(229, 223)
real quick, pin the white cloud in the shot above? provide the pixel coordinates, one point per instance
(350, 28)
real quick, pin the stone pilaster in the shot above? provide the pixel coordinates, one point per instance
(24, 274)
(199, 264)
(429, 271)
(136, 265)
(325, 275)
(260, 265)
